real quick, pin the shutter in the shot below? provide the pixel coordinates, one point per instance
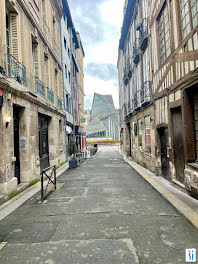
(14, 35)
(36, 63)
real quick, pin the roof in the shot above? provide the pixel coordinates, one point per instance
(95, 126)
(102, 106)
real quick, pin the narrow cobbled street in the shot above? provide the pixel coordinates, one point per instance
(102, 212)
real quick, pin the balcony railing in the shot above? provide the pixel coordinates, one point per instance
(16, 70)
(136, 51)
(39, 86)
(50, 95)
(143, 40)
(59, 103)
(137, 100)
(146, 93)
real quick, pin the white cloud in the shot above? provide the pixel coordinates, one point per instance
(112, 12)
(99, 23)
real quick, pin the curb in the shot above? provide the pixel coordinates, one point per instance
(179, 205)
(11, 205)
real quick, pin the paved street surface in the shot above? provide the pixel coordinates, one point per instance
(102, 213)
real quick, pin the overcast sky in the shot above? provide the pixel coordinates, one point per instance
(99, 23)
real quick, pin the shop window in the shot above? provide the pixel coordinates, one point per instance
(147, 124)
(139, 122)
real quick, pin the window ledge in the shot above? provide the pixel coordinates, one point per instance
(193, 164)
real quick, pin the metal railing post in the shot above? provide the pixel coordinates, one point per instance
(42, 191)
(55, 177)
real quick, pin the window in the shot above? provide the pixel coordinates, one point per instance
(67, 103)
(138, 75)
(145, 62)
(147, 124)
(196, 121)
(8, 33)
(139, 133)
(46, 72)
(133, 134)
(66, 71)
(35, 59)
(65, 44)
(164, 34)
(194, 6)
(69, 77)
(189, 15)
(185, 17)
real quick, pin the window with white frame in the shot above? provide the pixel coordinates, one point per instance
(164, 34)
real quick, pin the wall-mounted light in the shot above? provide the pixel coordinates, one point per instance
(8, 119)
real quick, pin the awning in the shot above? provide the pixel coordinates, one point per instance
(69, 130)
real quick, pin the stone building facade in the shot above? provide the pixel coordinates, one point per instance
(31, 112)
(81, 55)
(69, 47)
(135, 83)
(170, 31)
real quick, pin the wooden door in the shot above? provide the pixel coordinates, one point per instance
(163, 134)
(16, 143)
(178, 143)
(43, 142)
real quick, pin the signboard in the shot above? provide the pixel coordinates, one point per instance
(1, 98)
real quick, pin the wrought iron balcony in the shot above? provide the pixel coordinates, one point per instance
(50, 95)
(129, 68)
(39, 86)
(59, 103)
(136, 51)
(137, 100)
(16, 70)
(143, 40)
(146, 93)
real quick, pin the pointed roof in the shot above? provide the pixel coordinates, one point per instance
(102, 106)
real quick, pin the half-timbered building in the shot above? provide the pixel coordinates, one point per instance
(173, 71)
